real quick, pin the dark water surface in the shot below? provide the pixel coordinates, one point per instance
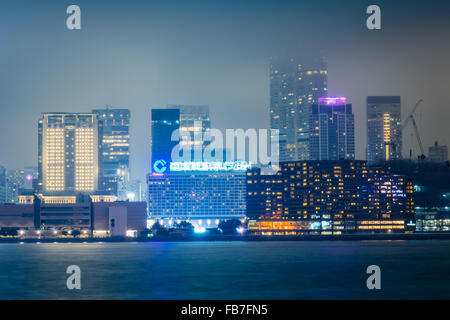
(227, 270)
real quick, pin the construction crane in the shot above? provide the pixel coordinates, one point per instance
(416, 130)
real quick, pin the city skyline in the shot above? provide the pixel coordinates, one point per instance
(237, 91)
(228, 158)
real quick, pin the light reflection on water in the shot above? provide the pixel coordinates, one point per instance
(226, 270)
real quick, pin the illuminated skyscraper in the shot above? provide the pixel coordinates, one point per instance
(69, 145)
(191, 119)
(192, 189)
(332, 130)
(294, 87)
(195, 120)
(115, 152)
(384, 132)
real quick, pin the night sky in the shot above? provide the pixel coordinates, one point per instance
(140, 54)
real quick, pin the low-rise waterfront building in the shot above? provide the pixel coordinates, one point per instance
(16, 216)
(433, 219)
(54, 216)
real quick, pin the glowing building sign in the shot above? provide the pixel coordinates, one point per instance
(332, 101)
(210, 166)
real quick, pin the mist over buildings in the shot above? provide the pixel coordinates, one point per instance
(138, 55)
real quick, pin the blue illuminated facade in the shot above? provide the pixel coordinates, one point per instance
(164, 123)
(202, 198)
(201, 192)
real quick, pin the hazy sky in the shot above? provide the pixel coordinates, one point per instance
(142, 54)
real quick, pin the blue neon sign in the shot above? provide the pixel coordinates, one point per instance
(210, 166)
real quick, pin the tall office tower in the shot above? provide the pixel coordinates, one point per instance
(69, 147)
(294, 87)
(438, 153)
(192, 119)
(164, 123)
(384, 131)
(115, 150)
(3, 185)
(332, 135)
(195, 120)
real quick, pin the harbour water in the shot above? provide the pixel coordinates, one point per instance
(414, 269)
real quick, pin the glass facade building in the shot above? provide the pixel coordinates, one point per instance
(332, 133)
(328, 197)
(384, 128)
(115, 150)
(192, 120)
(294, 87)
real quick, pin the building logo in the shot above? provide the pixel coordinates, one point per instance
(160, 166)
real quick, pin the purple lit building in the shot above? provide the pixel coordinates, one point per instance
(332, 130)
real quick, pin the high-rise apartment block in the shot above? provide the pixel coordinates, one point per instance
(294, 87)
(384, 129)
(68, 153)
(332, 133)
(115, 150)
